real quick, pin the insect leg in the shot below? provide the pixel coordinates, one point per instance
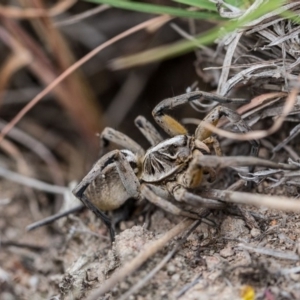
(182, 195)
(148, 130)
(148, 193)
(213, 117)
(215, 143)
(108, 185)
(172, 126)
(111, 135)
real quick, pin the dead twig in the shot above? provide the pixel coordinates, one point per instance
(32, 13)
(294, 132)
(33, 183)
(265, 251)
(288, 271)
(188, 286)
(79, 17)
(21, 245)
(53, 218)
(259, 134)
(214, 161)
(74, 67)
(39, 149)
(259, 200)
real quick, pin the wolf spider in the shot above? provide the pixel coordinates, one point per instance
(167, 170)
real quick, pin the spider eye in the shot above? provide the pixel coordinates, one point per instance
(173, 149)
(133, 165)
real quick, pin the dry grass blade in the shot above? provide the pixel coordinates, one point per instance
(146, 253)
(18, 59)
(21, 245)
(294, 132)
(259, 134)
(77, 18)
(34, 183)
(40, 150)
(235, 161)
(74, 67)
(53, 218)
(259, 200)
(290, 271)
(227, 62)
(265, 251)
(12, 64)
(83, 109)
(32, 13)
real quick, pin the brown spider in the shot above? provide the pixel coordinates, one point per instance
(167, 170)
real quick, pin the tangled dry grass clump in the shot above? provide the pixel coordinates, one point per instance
(248, 250)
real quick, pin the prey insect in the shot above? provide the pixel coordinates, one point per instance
(168, 170)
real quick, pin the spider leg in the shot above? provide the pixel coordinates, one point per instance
(215, 143)
(172, 126)
(213, 117)
(147, 192)
(148, 130)
(108, 185)
(193, 176)
(105, 219)
(79, 193)
(111, 135)
(181, 194)
(127, 175)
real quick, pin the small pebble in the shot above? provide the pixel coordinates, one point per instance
(171, 269)
(124, 285)
(255, 232)
(227, 252)
(175, 277)
(212, 261)
(295, 277)
(7, 296)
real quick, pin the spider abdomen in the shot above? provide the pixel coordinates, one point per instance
(107, 192)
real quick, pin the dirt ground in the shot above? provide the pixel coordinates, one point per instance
(74, 257)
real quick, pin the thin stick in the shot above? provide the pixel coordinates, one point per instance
(259, 134)
(266, 251)
(148, 251)
(259, 200)
(34, 183)
(214, 161)
(53, 218)
(73, 68)
(21, 245)
(81, 16)
(290, 270)
(188, 286)
(28, 13)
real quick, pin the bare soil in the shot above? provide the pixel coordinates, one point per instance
(75, 257)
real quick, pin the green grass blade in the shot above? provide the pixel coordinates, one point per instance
(203, 4)
(183, 47)
(159, 9)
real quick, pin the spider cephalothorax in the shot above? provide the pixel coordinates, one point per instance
(169, 169)
(169, 157)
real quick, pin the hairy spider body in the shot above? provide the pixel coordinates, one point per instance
(167, 170)
(108, 187)
(169, 157)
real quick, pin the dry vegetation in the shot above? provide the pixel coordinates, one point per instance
(241, 252)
